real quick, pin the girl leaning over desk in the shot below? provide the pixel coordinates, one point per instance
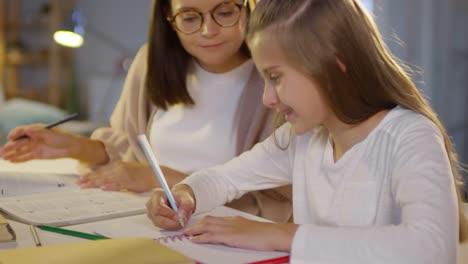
(193, 89)
(374, 174)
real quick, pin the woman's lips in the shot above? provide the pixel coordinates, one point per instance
(211, 46)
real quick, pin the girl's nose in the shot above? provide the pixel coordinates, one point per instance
(270, 98)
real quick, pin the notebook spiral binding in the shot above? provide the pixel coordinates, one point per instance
(173, 238)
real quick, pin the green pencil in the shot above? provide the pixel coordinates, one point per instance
(71, 232)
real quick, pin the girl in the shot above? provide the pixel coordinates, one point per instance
(193, 89)
(374, 174)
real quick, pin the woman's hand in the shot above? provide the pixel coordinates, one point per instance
(119, 175)
(243, 233)
(43, 143)
(162, 215)
(132, 176)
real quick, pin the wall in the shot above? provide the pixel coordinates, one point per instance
(434, 34)
(97, 63)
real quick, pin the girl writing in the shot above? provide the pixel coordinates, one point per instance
(374, 174)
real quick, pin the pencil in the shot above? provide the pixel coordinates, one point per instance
(146, 147)
(35, 236)
(71, 232)
(53, 124)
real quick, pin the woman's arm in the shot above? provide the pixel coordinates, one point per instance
(43, 143)
(130, 116)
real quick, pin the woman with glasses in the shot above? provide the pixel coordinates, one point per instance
(194, 91)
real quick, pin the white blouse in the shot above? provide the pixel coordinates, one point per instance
(189, 138)
(389, 199)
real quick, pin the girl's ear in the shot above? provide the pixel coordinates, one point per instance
(341, 65)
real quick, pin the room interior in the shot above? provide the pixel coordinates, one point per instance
(41, 80)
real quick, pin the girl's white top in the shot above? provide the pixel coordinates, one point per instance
(389, 199)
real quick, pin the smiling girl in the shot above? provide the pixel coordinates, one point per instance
(374, 174)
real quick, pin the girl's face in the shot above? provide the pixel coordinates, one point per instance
(216, 48)
(288, 90)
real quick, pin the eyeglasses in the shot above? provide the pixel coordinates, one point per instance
(225, 14)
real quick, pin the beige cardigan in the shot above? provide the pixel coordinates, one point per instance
(133, 116)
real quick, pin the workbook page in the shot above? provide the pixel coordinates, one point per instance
(37, 176)
(22, 183)
(54, 166)
(141, 226)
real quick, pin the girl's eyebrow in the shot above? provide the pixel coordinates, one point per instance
(268, 69)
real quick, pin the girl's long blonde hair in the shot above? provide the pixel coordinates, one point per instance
(313, 34)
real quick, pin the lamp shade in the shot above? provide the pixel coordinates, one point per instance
(71, 34)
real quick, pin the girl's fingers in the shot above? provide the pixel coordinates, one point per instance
(206, 238)
(208, 224)
(166, 223)
(160, 213)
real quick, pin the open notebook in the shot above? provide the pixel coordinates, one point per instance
(35, 196)
(141, 226)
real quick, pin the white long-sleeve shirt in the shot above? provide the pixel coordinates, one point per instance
(390, 199)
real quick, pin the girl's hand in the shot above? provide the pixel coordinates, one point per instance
(162, 215)
(243, 233)
(42, 143)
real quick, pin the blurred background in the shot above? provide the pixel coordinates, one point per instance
(41, 80)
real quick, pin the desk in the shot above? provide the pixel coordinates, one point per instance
(24, 236)
(111, 227)
(141, 226)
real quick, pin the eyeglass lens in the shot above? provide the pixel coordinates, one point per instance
(225, 14)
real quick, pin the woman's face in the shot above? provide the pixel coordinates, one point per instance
(216, 48)
(289, 91)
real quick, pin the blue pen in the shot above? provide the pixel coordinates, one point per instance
(144, 144)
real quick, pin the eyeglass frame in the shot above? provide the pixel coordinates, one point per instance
(171, 19)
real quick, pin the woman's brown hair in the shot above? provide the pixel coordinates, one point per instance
(168, 62)
(315, 34)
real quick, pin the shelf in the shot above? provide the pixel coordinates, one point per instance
(34, 93)
(26, 26)
(17, 58)
(27, 54)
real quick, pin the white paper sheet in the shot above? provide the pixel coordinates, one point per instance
(141, 226)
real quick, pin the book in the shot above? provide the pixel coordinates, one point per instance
(37, 176)
(46, 193)
(70, 207)
(6, 232)
(116, 251)
(141, 226)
